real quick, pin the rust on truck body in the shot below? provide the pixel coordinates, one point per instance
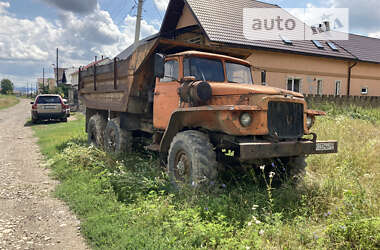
(166, 106)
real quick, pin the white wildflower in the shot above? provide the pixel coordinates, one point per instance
(262, 167)
(271, 174)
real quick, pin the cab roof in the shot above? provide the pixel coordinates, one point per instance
(210, 55)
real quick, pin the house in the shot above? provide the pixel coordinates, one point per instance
(329, 68)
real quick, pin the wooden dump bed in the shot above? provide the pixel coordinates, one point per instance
(122, 85)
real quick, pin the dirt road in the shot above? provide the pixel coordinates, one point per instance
(30, 218)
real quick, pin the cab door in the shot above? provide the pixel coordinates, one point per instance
(166, 99)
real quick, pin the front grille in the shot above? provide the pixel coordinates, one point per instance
(285, 119)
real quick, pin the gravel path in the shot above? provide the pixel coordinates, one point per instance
(30, 218)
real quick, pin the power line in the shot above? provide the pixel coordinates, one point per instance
(157, 11)
(128, 13)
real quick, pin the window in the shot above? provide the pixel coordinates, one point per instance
(337, 87)
(48, 99)
(294, 84)
(195, 40)
(286, 40)
(171, 71)
(318, 44)
(204, 69)
(365, 91)
(319, 87)
(332, 46)
(238, 73)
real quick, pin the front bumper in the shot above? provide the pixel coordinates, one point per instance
(264, 150)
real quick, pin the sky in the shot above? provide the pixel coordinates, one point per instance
(31, 30)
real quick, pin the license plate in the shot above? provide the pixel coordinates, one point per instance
(325, 146)
(49, 107)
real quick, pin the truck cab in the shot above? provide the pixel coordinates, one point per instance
(244, 122)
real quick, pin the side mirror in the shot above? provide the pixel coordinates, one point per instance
(32, 103)
(159, 65)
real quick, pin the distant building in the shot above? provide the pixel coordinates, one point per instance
(46, 82)
(60, 75)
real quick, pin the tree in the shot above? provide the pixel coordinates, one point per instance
(6, 86)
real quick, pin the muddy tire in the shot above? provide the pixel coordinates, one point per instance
(296, 167)
(192, 160)
(116, 139)
(95, 130)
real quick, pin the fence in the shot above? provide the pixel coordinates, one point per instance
(365, 101)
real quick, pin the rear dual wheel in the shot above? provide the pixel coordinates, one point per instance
(95, 130)
(116, 139)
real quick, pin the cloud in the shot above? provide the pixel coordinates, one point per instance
(147, 29)
(76, 6)
(3, 6)
(161, 4)
(27, 45)
(364, 15)
(375, 34)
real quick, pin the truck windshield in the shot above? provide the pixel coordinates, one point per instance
(238, 73)
(204, 69)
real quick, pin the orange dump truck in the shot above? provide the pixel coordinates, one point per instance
(200, 110)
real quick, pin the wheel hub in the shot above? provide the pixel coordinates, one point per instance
(112, 141)
(182, 166)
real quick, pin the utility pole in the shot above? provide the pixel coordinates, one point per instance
(57, 67)
(43, 80)
(27, 89)
(138, 22)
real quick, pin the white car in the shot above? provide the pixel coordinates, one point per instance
(47, 107)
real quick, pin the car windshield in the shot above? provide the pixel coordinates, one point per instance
(48, 100)
(204, 69)
(238, 73)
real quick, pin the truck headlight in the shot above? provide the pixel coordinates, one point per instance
(245, 119)
(309, 121)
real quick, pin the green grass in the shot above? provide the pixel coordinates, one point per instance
(126, 202)
(7, 101)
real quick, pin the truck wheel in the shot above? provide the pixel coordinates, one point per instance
(96, 126)
(295, 168)
(192, 160)
(116, 139)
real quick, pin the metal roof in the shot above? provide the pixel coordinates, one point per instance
(222, 21)
(364, 48)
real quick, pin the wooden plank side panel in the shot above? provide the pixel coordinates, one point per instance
(106, 96)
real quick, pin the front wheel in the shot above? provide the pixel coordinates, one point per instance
(192, 160)
(296, 167)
